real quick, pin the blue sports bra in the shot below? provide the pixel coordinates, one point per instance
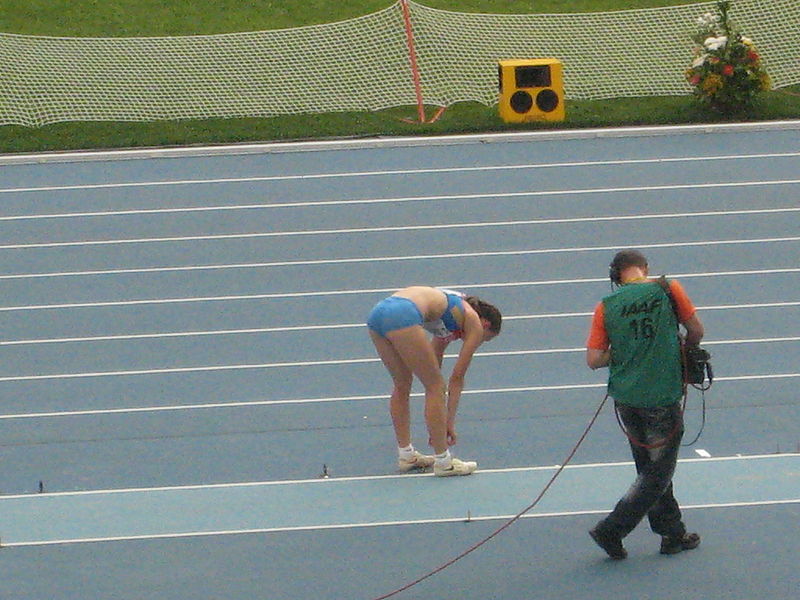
(447, 326)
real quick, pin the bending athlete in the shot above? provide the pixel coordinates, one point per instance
(398, 326)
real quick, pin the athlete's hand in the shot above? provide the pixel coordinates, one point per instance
(451, 436)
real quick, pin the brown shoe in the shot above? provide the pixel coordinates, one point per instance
(612, 544)
(672, 545)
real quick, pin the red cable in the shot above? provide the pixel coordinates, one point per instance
(510, 521)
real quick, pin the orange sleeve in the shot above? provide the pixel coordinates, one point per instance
(598, 338)
(685, 307)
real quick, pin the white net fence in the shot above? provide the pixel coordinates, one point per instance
(363, 64)
(605, 55)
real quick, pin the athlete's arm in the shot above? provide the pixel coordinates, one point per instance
(472, 338)
(439, 346)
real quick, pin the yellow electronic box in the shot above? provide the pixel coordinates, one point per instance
(531, 90)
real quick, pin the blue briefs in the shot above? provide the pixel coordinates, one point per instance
(393, 313)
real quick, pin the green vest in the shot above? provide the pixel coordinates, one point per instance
(645, 368)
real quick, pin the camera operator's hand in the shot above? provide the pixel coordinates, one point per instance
(694, 331)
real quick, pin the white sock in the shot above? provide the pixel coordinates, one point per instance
(443, 460)
(407, 452)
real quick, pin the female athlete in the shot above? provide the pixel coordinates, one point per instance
(398, 326)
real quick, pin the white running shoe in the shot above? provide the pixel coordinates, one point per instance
(457, 467)
(418, 461)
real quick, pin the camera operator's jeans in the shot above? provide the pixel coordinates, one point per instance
(651, 493)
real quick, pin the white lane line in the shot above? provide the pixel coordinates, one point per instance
(703, 453)
(768, 340)
(331, 293)
(253, 531)
(371, 398)
(180, 334)
(202, 369)
(360, 230)
(403, 199)
(321, 481)
(335, 362)
(398, 476)
(338, 326)
(385, 259)
(393, 172)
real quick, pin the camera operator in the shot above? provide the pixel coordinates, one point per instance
(634, 333)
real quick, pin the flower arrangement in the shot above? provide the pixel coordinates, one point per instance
(726, 74)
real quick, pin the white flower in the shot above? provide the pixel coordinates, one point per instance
(707, 20)
(699, 60)
(715, 43)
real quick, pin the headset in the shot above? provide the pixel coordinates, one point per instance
(614, 273)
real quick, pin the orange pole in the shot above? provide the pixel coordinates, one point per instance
(412, 54)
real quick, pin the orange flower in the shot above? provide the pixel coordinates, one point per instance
(712, 84)
(727, 70)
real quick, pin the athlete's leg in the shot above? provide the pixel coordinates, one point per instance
(416, 352)
(401, 376)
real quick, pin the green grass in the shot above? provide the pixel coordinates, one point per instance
(120, 18)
